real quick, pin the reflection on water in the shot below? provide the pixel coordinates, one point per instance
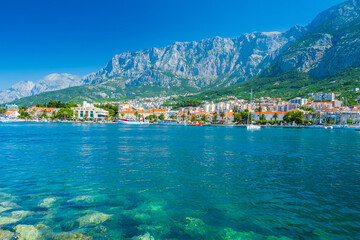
(88, 181)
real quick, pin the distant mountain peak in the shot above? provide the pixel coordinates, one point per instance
(51, 82)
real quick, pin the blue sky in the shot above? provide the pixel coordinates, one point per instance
(80, 36)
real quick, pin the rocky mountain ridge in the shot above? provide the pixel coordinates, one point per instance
(326, 46)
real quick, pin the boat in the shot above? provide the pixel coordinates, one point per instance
(221, 125)
(133, 122)
(197, 124)
(249, 125)
(171, 123)
(4, 119)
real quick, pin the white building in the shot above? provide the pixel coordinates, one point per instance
(300, 101)
(324, 96)
(90, 112)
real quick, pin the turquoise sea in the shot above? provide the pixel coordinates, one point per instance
(93, 181)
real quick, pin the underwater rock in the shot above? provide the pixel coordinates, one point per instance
(48, 202)
(88, 199)
(3, 209)
(230, 234)
(14, 217)
(8, 204)
(27, 232)
(93, 217)
(41, 226)
(6, 235)
(146, 236)
(4, 195)
(148, 211)
(195, 226)
(71, 236)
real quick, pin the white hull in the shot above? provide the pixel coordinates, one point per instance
(253, 127)
(133, 122)
(171, 123)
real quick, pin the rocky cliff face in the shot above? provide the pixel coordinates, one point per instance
(51, 82)
(330, 45)
(211, 62)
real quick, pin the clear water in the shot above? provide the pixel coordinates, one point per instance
(88, 181)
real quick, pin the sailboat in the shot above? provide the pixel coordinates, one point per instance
(249, 124)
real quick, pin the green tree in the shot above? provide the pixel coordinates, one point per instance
(161, 117)
(23, 114)
(193, 119)
(262, 117)
(183, 117)
(204, 118)
(275, 116)
(173, 117)
(294, 116)
(40, 105)
(155, 117)
(215, 117)
(2, 111)
(222, 115)
(67, 113)
(44, 114)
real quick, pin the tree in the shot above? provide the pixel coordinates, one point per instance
(67, 113)
(215, 117)
(44, 114)
(85, 116)
(2, 111)
(155, 117)
(204, 118)
(275, 116)
(193, 119)
(161, 117)
(173, 117)
(40, 105)
(294, 116)
(262, 117)
(23, 114)
(183, 117)
(260, 109)
(137, 115)
(222, 115)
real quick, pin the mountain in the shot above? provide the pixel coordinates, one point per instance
(51, 82)
(330, 44)
(208, 63)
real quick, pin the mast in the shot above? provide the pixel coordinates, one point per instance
(249, 107)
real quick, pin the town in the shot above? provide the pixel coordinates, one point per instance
(317, 109)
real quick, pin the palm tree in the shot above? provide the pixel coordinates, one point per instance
(183, 117)
(222, 115)
(275, 116)
(215, 117)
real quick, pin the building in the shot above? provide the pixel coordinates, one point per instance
(11, 106)
(269, 116)
(300, 101)
(12, 113)
(87, 110)
(37, 112)
(324, 96)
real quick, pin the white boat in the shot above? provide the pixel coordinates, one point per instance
(133, 122)
(249, 125)
(253, 127)
(221, 125)
(171, 123)
(4, 119)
